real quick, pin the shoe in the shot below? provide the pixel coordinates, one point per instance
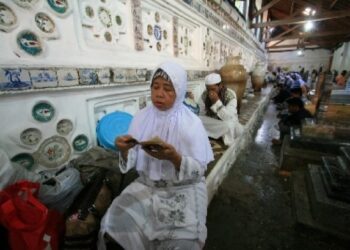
(276, 142)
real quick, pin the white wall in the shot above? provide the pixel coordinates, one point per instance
(79, 43)
(312, 59)
(341, 58)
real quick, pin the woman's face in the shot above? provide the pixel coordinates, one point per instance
(163, 94)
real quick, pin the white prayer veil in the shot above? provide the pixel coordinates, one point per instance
(177, 126)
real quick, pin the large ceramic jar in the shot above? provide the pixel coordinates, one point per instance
(258, 76)
(234, 76)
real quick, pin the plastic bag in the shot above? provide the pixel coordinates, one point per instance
(29, 223)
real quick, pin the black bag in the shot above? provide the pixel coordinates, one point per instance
(83, 218)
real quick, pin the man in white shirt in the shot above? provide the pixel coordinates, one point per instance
(218, 110)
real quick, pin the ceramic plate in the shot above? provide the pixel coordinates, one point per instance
(108, 36)
(44, 23)
(165, 34)
(105, 17)
(80, 142)
(159, 46)
(64, 127)
(89, 12)
(8, 18)
(53, 152)
(25, 160)
(25, 3)
(149, 29)
(157, 17)
(29, 42)
(31, 136)
(59, 6)
(43, 112)
(157, 32)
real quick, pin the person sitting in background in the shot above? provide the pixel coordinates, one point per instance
(340, 79)
(166, 207)
(295, 92)
(299, 83)
(297, 113)
(218, 110)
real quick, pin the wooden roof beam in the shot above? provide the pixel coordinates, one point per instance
(301, 20)
(266, 7)
(333, 4)
(280, 36)
(313, 34)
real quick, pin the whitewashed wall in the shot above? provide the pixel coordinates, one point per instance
(341, 58)
(312, 59)
(81, 44)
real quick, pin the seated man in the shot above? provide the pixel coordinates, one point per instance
(297, 113)
(218, 110)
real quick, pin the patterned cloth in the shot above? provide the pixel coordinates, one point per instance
(164, 208)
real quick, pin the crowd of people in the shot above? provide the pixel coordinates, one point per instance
(290, 98)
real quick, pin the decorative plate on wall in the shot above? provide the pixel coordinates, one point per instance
(26, 3)
(29, 42)
(149, 29)
(45, 23)
(64, 126)
(8, 18)
(59, 6)
(31, 136)
(105, 17)
(24, 159)
(108, 36)
(157, 17)
(157, 32)
(43, 112)
(165, 34)
(89, 11)
(53, 152)
(80, 142)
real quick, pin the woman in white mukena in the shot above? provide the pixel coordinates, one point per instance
(166, 207)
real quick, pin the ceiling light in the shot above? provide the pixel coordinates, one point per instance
(308, 26)
(308, 11)
(300, 52)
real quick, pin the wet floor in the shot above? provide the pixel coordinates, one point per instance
(253, 209)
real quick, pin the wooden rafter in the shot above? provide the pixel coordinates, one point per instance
(266, 7)
(333, 4)
(300, 20)
(313, 34)
(280, 36)
(273, 45)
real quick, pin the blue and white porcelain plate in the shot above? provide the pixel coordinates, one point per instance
(157, 31)
(43, 112)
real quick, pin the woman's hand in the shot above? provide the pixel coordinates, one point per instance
(124, 143)
(165, 151)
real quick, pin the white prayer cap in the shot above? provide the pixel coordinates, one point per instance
(212, 79)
